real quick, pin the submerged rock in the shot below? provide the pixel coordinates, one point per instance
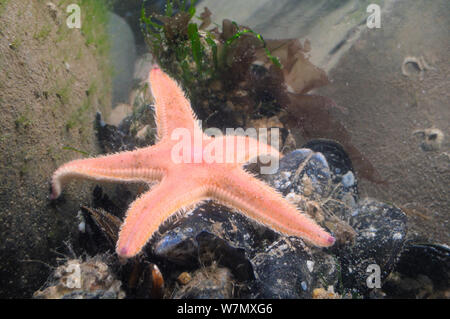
(211, 233)
(78, 279)
(210, 282)
(263, 261)
(380, 236)
(432, 260)
(423, 271)
(46, 120)
(302, 172)
(260, 263)
(274, 266)
(284, 270)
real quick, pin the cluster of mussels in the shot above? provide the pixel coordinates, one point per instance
(215, 252)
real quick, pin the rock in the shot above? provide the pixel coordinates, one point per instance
(337, 158)
(208, 283)
(142, 67)
(261, 263)
(432, 139)
(320, 189)
(340, 165)
(380, 236)
(78, 279)
(321, 293)
(282, 271)
(184, 278)
(274, 266)
(254, 254)
(417, 287)
(123, 56)
(112, 139)
(210, 234)
(258, 258)
(432, 260)
(46, 121)
(302, 172)
(423, 271)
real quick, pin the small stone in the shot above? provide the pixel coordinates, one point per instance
(210, 282)
(432, 139)
(304, 285)
(348, 180)
(321, 293)
(283, 273)
(78, 279)
(310, 265)
(184, 278)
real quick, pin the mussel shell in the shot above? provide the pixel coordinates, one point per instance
(432, 260)
(338, 159)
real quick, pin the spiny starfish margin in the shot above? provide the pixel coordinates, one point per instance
(185, 184)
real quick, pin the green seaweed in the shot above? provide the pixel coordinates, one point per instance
(63, 92)
(169, 8)
(69, 148)
(177, 48)
(215, 67)
(197, 49)
(239, 33)
(22, 121)
(43, 33)
(3, 4)
(213, 46)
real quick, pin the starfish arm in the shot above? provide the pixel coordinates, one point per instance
(148, 212)
(244, 148)
(172, 109)
(263, 204)
(128, 166)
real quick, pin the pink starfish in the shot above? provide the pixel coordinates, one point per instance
(194, 179)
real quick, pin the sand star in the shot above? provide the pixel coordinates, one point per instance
(193, 179)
